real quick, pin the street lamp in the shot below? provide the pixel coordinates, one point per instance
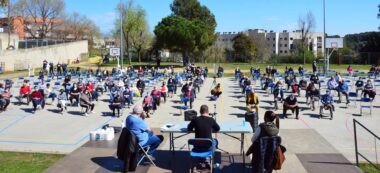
(324, 36)
(121, 34)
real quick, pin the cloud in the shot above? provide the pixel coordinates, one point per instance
(105, 21)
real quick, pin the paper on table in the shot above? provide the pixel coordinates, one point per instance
(167, 126)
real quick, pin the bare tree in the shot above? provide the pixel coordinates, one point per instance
(40, 17)
(305, 25)
(80, 27)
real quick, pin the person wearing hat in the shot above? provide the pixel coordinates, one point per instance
(292, 104)
(62, 100)
(140, 129)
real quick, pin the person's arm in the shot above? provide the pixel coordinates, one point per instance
(256, 134)
(215, 126)
(190, 127)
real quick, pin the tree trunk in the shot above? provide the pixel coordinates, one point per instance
(185, 58)
(139, 54)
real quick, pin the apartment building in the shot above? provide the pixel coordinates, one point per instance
(280, 43)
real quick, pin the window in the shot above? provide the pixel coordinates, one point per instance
(280, 45)
(274, 39)
(274, 51)
(286, 38)
(280, 38)
(280, 51)
(291, 38)
(286, 45)
(268, 39)
(274, 45)
(286, 51)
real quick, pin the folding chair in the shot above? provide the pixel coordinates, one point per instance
(376, 83)
(366, 103)
(353, 96)
(144, 151)
(202, 149)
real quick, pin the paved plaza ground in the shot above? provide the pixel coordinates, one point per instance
(314, 145)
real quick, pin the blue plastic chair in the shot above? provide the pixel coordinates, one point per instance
(202, 149)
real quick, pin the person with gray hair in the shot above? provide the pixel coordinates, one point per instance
(145, 137)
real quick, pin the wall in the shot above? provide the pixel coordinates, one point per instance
(4, 41)
(21, 59)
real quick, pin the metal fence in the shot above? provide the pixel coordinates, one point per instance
(40, 43)
(357, 152)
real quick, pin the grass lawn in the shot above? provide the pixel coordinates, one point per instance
(368, 168)
(15, 162)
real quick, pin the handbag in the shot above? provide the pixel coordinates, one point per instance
(280, 157)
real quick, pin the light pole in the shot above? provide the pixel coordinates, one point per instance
(324, 37)
(121, 33)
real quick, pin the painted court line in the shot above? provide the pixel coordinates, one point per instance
(12, 124)
(38, 142)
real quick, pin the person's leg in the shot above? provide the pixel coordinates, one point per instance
(339, 96)
(92, 106)
(153, 142)
(297, 111)
(42, 103)
(35, 103)
(284, 111)
(312, 103)
(7, 102)
(347, 100)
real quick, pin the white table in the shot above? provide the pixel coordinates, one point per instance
(226, 128)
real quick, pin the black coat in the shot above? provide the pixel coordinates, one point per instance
(127, 150)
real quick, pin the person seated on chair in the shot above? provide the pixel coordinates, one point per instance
(25, 92)
(127, 96)
(5, 99)
(217, 90)
(148, 104)
(359, 84)
(337, 77)
(91, 89)
(140, 129)
(292, 104)
(327, 103)
(74, 93)
(156, 94)
(37, 99)
(252, 102)
(49, 93)
(294, 85)
(116, 105)
(85, 102)
(204, 126)
(303, 84)
(315, 79)
(220, 71)
(269, 128)
(369, 90)
(62, 100)
(313, 94)
(278, 91)
(332, 84)
(343, 89)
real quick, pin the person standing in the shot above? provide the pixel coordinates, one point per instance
(204, 126)
(315, 67)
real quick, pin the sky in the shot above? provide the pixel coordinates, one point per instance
(342, 16)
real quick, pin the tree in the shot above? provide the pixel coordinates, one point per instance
(140, 36)
(135, 29)
(215, 54)
(80, 27)
(244, 48)
(40, 17)
(190, 28)
(4, 3)
(264, 50)
(305, 26)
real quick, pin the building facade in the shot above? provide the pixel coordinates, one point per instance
(280, 43)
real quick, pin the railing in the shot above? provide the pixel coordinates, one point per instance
(357, 153)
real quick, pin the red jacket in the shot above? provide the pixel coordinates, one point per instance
(91, 87)
(25, 90)
(37, 95)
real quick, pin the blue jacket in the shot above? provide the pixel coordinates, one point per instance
(343, 87)
(327, 99)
